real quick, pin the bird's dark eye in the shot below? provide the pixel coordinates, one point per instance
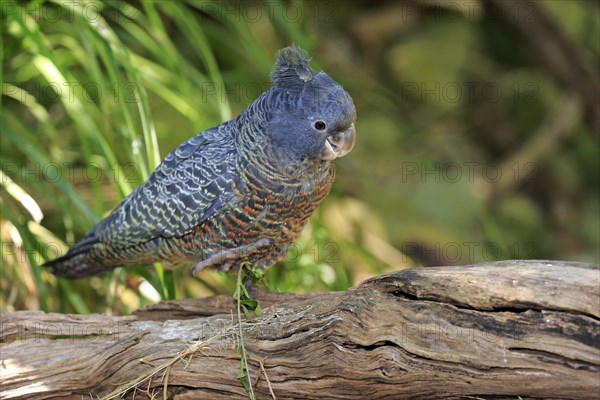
(320, 125)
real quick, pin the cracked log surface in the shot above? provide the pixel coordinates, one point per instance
(496, 330)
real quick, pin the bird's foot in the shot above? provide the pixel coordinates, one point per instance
(228, 259)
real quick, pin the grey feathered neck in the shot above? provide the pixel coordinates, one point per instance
(291, 68)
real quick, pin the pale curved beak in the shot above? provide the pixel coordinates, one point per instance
(339, 144)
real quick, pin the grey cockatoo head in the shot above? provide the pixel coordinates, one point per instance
(313, 117)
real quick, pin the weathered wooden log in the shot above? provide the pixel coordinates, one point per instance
(510, 330)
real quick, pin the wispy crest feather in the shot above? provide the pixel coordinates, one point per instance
(291, 67)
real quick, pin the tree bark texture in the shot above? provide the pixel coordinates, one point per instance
(504, 330)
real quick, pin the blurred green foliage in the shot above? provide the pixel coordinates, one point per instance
(95, 94)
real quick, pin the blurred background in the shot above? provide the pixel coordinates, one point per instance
(478, 130)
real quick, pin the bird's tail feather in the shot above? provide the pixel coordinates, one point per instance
(74, 264)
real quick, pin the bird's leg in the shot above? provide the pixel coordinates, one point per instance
(224, 260)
